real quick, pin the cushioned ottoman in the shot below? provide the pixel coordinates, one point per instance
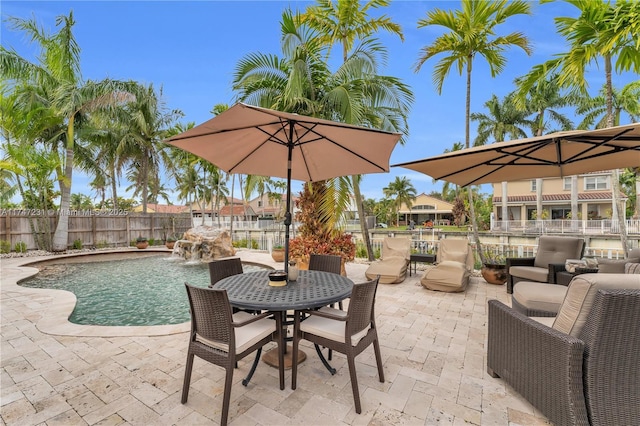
(538, 299)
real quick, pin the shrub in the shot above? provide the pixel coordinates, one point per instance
(102, 244)
(20, 247)
(77, 244)
(5, 246)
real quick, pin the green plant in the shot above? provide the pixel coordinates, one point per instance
(5, 246)
(341, 245)
(77, 244)
(171, 239)
(493, 256)
(102, 244)
(141, 239)
(254, 244)
(277, 247)
(20, 247)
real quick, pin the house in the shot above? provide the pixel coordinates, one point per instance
(426, 208)
(162, 208)
(594, 198)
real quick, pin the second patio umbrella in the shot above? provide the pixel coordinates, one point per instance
(554, 155)
(258, 141)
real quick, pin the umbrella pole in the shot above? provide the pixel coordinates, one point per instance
(287, 215)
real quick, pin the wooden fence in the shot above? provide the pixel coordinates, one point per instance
(91, 228)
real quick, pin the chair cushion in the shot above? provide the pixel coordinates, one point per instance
(632, 268)
(553, 249)
(530, 273)
(548, 321)
(330, 329)
(247, 335)
(448, 276)
(540, 296)
(392, 270)
(396, 247)
(614, 266)
(581, 294)
(457, 256)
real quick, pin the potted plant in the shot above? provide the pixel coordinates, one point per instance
(277, 253)
(170, 242)
(494, 268)
(141, 242)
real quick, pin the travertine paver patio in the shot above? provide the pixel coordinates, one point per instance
(433, 348)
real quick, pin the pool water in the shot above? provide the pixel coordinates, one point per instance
(139, 291)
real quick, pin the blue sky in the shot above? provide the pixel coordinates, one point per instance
(190, 49)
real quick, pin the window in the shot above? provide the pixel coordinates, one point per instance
(534, 185)
(259, 203)
(423, 207)
(594, 183)
(567, 184)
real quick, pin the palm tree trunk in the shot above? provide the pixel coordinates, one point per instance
(472, 209)
(363, 220)
(61, 235)
(505, 206)
(615, 184)
(114, 189)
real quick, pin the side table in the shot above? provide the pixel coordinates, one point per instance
(564, 277)
(420, 257)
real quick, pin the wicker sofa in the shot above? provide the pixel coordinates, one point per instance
(581, 367)
(550, 258)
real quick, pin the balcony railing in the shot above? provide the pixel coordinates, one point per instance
(565, 226)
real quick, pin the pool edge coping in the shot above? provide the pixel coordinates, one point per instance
(55, 316)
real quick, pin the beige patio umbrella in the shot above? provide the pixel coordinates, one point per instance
(553, 155)
(258, 141)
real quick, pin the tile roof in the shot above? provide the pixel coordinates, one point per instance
(592, 195)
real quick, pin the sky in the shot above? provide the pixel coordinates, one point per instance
(191, 48)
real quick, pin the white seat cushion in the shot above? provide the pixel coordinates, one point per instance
(329, 328)
(540, 296)
(247, 335)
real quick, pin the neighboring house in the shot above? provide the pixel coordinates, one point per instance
(426, 208)
(271, 208)
(594, 198)
(162, 208)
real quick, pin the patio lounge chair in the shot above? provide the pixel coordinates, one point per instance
(392, 267)
(453, 268)
(581, 367)
(552, 253)
(223, 338)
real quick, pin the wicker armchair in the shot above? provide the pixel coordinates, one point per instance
(585, 377)
(553, 251)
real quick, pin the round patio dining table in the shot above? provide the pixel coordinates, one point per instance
(312, 289)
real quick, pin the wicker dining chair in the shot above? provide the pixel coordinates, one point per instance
(223, 268)
(349, 332)
(223, 338)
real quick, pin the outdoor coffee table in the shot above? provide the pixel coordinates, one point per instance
(420, 257)
(312, 289)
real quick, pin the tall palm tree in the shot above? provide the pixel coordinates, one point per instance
(502, 122)
(603, 31)
(472, 32)
(344, 22)
(302, 82)
(403, 191)
(542, 100)
(55, 84)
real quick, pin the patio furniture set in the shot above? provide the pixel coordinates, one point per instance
(569, 343)
(240, 313)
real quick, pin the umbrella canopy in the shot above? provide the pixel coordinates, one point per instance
(554, 155)
(258, 141)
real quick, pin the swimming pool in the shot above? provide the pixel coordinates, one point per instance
(138, 291)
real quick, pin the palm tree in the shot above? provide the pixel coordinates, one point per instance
(302, 82)
(344, 22)
(403, 191)
(502, 123)
(602, 31)
(55, 85)
(625, 100)
(472, 32)
(541, 101)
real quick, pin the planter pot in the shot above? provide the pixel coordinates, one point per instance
(494, 274)
(277, 255)
(170, 244)
(142, 244)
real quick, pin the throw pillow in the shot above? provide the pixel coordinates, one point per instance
(632, 268)
(613, 266)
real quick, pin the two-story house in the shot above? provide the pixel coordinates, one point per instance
(593, 190)
(427, 209)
